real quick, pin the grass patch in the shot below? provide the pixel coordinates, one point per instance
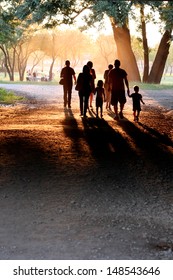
(8, 97)
(145, 86)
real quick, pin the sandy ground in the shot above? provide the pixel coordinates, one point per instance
(74, 188)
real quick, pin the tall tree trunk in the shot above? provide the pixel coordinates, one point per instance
(145, 45)
(124, 51)
(158, 66)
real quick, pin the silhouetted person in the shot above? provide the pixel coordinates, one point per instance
(68, 74)
(34, 76)
(117, 81)
(106, 87)
(137, 100)
(100, 97)
(93, 73)
(84, 85)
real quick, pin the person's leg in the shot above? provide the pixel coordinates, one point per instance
(109, 100)
(121, 107)
(97, 111)
(91, 99)
(121, 110)
(69, 97)
(122, 101)
(81, 103)
(101, 111)
(86, 98)
(134, 114)
(65, 95)
(114, 103)
(116, 110)
(137, 117)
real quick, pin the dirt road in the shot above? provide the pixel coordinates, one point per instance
(73, 188)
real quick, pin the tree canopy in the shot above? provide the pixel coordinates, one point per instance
(16, 15)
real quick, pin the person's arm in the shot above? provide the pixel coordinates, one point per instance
(142, 101)
(127, 85)
(93, 74)
(74, 77)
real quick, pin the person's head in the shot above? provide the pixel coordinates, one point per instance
(100, 83)
(110, 66)
(117, 63)
(86, 69)
(90, 64)
(136, 89)
(67, 63)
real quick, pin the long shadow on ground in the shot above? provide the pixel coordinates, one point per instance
(88, 190)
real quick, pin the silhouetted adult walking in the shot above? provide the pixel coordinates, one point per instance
(93, 73)
(84, 85)
(117, 81)
(106, 86)
(68, 74)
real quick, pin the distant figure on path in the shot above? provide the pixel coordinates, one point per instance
(137, 99)
(106, 87)
(83, 86)
(100, 97)
(68, 74)
(93, 73)
(117, 81)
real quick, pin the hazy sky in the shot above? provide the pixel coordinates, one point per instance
(153, 33)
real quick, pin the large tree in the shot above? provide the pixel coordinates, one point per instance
(14, 35)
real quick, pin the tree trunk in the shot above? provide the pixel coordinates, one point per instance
(145, 45)
(51, 70)
(124, 51)
(7, 61)
(158, 66)
(21, 68)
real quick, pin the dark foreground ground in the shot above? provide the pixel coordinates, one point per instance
(73, 188)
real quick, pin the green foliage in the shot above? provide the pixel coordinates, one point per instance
(8, 97)
(53, 11)
(166, 14)
(118, 10)
(11, 28)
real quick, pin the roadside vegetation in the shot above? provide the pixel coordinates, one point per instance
(9, 97)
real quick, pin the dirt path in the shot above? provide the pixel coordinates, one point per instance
(73, 188)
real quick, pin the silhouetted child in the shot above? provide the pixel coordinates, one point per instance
(100, 97)
(137, 100)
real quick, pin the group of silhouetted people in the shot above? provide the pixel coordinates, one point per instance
(111, 90)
